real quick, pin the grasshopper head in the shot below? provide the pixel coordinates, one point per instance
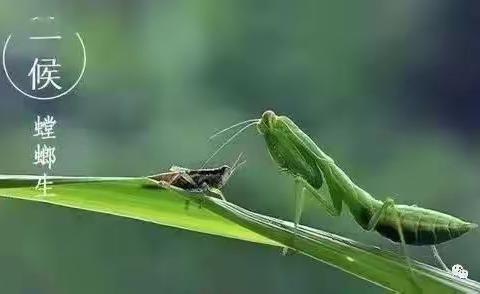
(267, 121)
(225, 169)
(226, 172)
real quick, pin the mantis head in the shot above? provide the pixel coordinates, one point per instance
(267, 122)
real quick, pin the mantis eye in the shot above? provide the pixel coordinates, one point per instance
(268, 116)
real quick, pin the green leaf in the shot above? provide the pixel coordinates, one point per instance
(138, 199)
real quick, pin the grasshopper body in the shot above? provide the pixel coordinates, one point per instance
(204, 180)
(192, 179)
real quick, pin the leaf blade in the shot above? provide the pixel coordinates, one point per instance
(135, 198)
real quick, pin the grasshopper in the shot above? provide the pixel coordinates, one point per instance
(207, 181)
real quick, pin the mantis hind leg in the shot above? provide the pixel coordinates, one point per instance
(390, 204)
(439, 259)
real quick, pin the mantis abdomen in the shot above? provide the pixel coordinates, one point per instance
(421, 226)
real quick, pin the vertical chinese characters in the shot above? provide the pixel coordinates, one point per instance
(44, 155)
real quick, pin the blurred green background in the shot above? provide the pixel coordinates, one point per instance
(388, 89)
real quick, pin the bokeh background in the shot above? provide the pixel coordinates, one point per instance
(388, 88)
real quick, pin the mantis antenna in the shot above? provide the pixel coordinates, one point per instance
(251, 123)
(233, 126)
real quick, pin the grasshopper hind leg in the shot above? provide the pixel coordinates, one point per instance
(167, 185)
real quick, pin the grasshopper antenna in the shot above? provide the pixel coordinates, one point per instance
(230, 140)
(233, 126)
(238, 163)
(235, 166)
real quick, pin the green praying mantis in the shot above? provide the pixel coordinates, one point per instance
(311, 168)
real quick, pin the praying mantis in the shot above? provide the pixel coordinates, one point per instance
(311, 168)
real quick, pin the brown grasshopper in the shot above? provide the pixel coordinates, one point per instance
(198, 181)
